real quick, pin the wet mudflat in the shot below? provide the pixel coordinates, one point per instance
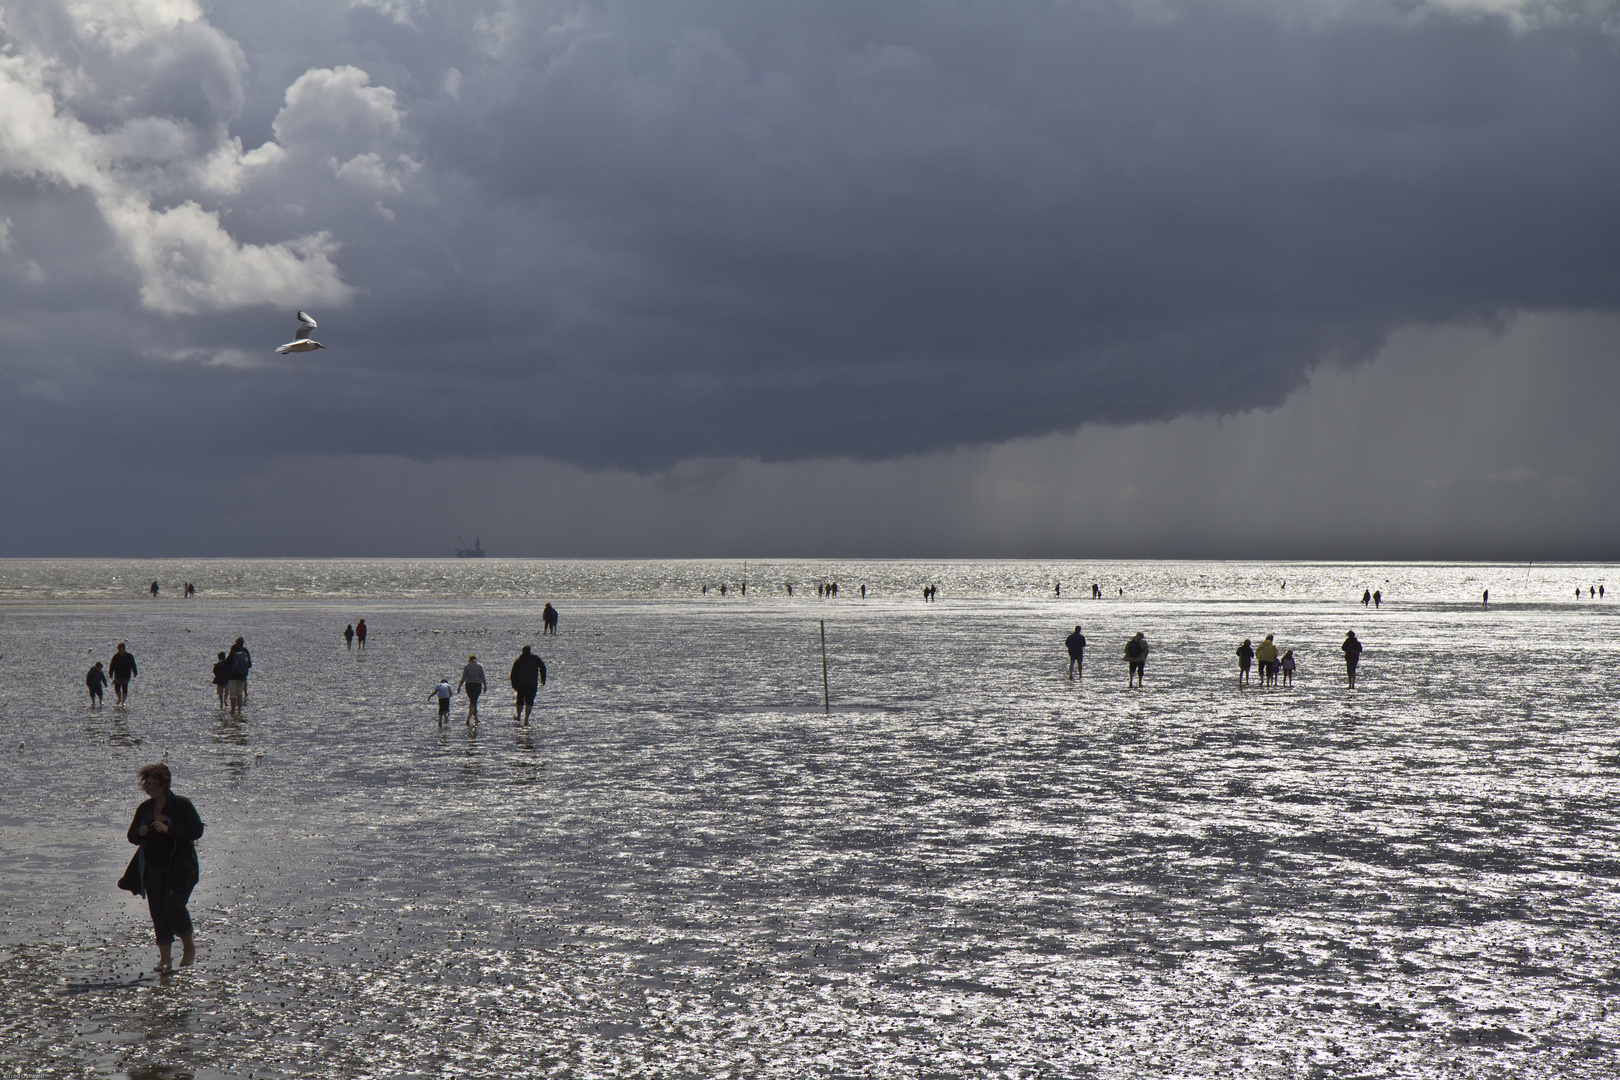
(684, 867)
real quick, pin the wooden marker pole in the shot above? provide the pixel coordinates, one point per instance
(826, 699)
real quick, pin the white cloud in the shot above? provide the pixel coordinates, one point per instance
(147, 172)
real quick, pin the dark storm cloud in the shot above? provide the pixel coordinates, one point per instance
(627, 235)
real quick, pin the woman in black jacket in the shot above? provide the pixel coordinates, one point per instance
(166, 828)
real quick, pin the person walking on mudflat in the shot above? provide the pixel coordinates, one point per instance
(122, 669)
(1076, 644)
(472, 677)
(165, 829)
(1136, 654)
(1245, 655)
(96, 680)
(222, 677)
(548, 619)
(360, 634)
(348, 636)
(1352, 655)
(528, 676)
(1265, 654)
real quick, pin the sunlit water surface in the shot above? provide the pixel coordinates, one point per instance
(970, 866)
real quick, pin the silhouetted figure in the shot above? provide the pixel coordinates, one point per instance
(1486, 599)
(1076, 644)
(1288, 666)
(1378, 599)
(96, 680)
(722, 588)
(190, 590)
(1096, 591)
(222, 678)
(528, 676)
(548, 619)
(744, 589)
(122, 669)
(1366, 597)
(154, 589)
(705, 590)
(1600, 592)
(863, 592)
(1245, 654)
(790, 589)
(348, 636)
(833, 590)
(1352, 655)
(1591, 594)
(241, 662)
(1057, 588)
(1136, 654)
(165, 828)
(1122, 592)
(1577, 592)
(360, 634)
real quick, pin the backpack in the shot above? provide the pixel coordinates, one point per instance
(1133, 649)
(240, 662)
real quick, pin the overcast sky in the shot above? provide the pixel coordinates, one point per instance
(1303, 278)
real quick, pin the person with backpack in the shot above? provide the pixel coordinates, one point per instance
(1136, 654)
(241, 662)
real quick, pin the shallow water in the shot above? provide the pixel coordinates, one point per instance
(684, 867)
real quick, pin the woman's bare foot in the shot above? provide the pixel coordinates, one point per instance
(165, 960)
(188, 952)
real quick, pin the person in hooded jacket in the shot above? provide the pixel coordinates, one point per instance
(528, 676)
(165, 830)
(1136, 654)
(1245, 654)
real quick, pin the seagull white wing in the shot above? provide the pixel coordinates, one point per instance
(303, 317)
(303, 332)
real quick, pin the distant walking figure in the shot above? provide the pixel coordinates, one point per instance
(790, 589)
(190, 590)
(1096, 591)
(1378, 599)
(96, 680)
(722, 588)
(1136, 654)
(1288, 666)
(1076, 644)
(165, 828)
(1600, 592)
(528, 676)
(863, 592)
(360, 634)
(1352, 655)
(472, 677)
(548, 619)
(1057, 588)
(1245, 653)
(122, 669)
(1486, 599)
(1266, 654)
(348, 636)
(154, 588)
(1577, 592)
(1366, 597)
(222, 678)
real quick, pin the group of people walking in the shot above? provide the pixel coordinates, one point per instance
(1274, 665)
(528, 675)
(120, 669)
(1271, 664)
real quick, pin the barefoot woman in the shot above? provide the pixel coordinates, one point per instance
(166, 827)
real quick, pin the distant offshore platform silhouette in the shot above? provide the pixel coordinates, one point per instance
(474, 552)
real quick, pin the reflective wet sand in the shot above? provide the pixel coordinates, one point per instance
(683, 867)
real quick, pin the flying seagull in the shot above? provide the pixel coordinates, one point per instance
(301, 341)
